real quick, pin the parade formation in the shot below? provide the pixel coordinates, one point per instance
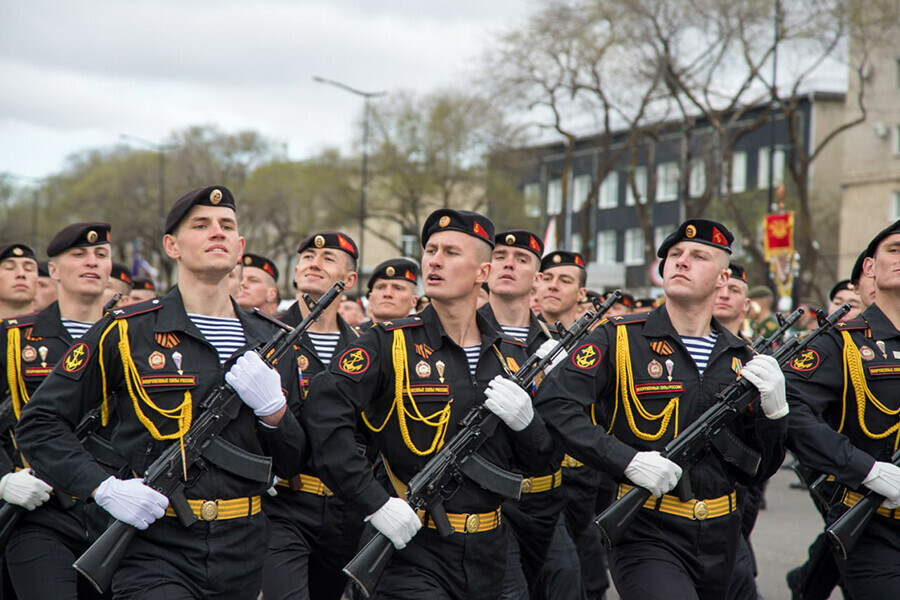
(427, 442)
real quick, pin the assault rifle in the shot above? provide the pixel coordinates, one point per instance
(201, 443)
(710, 429)
(443, 474)
(762, 344)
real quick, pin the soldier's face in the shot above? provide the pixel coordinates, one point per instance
(46, 293)
(560, 290)
(257, 289)
(141, 295)
(18, 280)
(392, 299)
(320, 268)
(513, 272)
(454, 265)
(82, 271)
(865, 289)
(694, 271)
(884, 267)
(849, 297)
(206, 242)
(731, 301)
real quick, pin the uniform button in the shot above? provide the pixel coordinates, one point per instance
(701, 511)
(209, 510)
(473, 522)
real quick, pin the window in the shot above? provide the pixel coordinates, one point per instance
(532, 200)
(409, 245)
(666, 181)
(762, 170)
(554, 197)
(895, 206)
(640, 182)
(606, 247)
(660, 233)
(738, 173)
(609, 191)
(576, 243)
(634, 246)
(581, 187)
(697, 184)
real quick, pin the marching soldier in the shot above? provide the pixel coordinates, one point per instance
(144, 289)
(150, 365)
(259, 284)
(862, 283)
(844, 404)
(392, 290)
(843, 292)
(46, 288)
(314, 534)
(18, 279)
(562, 286)
(120, 282)
(633, 385)
(412, 380)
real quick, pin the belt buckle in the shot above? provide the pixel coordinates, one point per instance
(527, 484)
(701, 510)
(209, 510)
(473, 522)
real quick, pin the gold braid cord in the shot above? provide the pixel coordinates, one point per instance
(17, 390)
(439, 420)
(854, 369)
(626, 394)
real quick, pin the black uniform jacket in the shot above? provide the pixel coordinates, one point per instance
(661, 370)
(362, 379)
(160, 336)
(825, 430)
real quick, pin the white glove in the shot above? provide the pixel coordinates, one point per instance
(766, 376)
(884, 480)
(397, 521)
(654, 472)
(509, 402)
(258, 384)
(24, 489)
(545, 349)
(130, 501)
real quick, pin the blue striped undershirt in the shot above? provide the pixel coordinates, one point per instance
(472, 354)
(324, 343)
(225, 334)
(700, 348)
(76, 328)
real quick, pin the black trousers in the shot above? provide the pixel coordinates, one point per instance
(872, 570)
(219, 560)
(313, 537)
(533, 521)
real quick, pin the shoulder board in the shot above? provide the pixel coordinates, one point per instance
(627, 319)
(851, 325)
(513, 340)
(23, 321)
(401, 323)
(136, 309)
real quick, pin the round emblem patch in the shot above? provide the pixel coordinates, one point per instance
(690, 231)
(866, 353)
(29, 353)
(390, 271)
(557, 259)
(18, 251)
(76, 358)
(807, 361)
(510, 239)
(586, 356)
(423, 369)
(445, 220)
(92, 236)
(247, 260)
(215, 197)
(157, 360)
(354, 361)
(319, 241)
(654, 369)
(302, 362)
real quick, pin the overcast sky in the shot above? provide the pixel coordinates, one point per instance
(77, 74)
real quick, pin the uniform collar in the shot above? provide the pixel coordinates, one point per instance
(48, 323)
(490, 333)
(173, 317)
(534, 324)
(881, 326)
(658, 324)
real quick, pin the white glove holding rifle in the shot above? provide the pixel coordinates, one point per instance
(397, 521)
(545, 348)
(23, 489)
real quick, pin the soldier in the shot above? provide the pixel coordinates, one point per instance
(624, 306)
(764, 322)
(561, 287)
(351, 311)
(259, 284)
(665, 368)
(119, 282)
(151, 365)
(235, 278)
(46, 288)
(412, 380)
(644, 305)
(392, 289)
(844, 405)
(314, 534)
(843, 292)
(144, 289)
(862, 283)
(732, 302)
(18, 279)
(43, 547)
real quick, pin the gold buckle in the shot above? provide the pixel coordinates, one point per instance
(473, 522)
(527, 484)
(209, 510)
(701, 510)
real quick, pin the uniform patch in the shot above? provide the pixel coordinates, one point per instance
(423, 369)
(29, 353)
(884, 370)
(302, 362)
(43, 351)
(429, 390)
(157, 360)
(512, 364)
(424, 350)
(881, 347)
(736, 365)
(166, 340)
(866, 353)
(354, 361)
(157, 381)
(586, 357)
(76, 358)
(662, 348)
(658, 388)
(806, 362)
(37, 371)
(654, 369)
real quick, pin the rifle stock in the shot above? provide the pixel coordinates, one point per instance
(431, 486)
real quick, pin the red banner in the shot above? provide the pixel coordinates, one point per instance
(778, 238)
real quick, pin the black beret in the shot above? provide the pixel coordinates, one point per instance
(466, 221)
(857, 271)
(144, 284)
(122, 273)
(330, 239)
(843, 284)
(43, 269)
(260, 262)
(644, 302)
(627, 300)
(889, 230)
(396, 268)
(519, 238)
(214, 195)
(696, 230)
(562, 258)
(761, 291)
(79, 235)
(738, 272)
(16, 250)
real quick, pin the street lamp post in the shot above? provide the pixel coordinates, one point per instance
(365, 158)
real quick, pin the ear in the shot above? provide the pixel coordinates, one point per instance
(170, 245)
(484, 271)
(53, 270)
(582, 294)
(351, 280)
(722, 279)
(869, 267)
